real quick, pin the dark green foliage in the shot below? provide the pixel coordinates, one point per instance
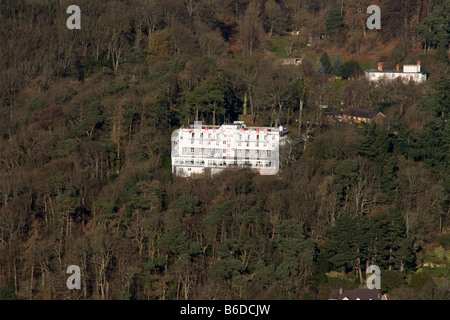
(207, 100)
(91, 119)
(187, 204)
(438, 101)
(432, 144)
(325, 63)
(344, 175)
(338, 66)
(226, 269)
(159, 113)
(435, 29)
(345, 243)
(7, 294)
(35, 104)
(116, 87)
(176, 65)
(420, 279)
(388, 246)
(392, 279)
(350, 68)
(264, 274)
(296, 250)
(219, 214)
(379, 240)
(291, 240)
(376, 145)
(334, 20)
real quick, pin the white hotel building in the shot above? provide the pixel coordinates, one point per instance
(199, 149)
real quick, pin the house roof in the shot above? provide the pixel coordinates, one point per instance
(368, 114)
(334, 294)
(333, 110)
(392, 71)
(361, 294)
(383, 71)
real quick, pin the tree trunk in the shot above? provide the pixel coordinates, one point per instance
(245, 104)
(300, 117)
(250, 100)
(31, 280)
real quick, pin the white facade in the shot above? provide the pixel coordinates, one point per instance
(409, 73)
(413, 68)
(199, 149)
(375, 75)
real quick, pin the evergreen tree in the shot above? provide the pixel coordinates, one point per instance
(346, 243)
(432, 144)
(389, 248)
(349, 68)
(326, 63)
(334, 20)
(438, 101)
(321, 68)
(338, 66)
(377, 145)
(435, 30)
(344, 174)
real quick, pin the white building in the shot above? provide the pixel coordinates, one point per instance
(199, 149)
(409, 73)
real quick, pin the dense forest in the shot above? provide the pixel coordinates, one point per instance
(85, 171)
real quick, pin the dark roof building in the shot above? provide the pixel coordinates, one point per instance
(357, 294)
(332, 111)
(368, 114)
(359, 115)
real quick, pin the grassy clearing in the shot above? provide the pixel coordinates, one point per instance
(278, 46)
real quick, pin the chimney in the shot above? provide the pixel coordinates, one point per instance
(397, 68)
(380, 66)
(418, 65)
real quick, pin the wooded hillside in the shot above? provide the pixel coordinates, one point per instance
(85, 123)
